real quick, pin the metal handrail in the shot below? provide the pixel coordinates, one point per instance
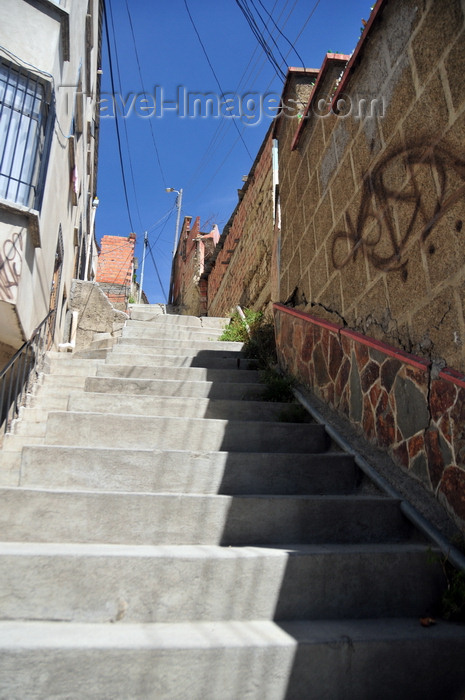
(18, 374)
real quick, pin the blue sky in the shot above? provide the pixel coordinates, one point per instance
(158, 51)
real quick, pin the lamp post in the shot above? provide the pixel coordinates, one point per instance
(178, 217)
(143, 265)
(176, 234)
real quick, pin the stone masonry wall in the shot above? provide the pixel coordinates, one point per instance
(241, 273)
(372, 185)
(399, 401)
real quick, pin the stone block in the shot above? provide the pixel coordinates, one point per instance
(412, 409)
(455, 73)
(439, 27)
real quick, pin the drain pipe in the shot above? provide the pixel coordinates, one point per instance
(454, 556)
(72, 339)
(242, 315)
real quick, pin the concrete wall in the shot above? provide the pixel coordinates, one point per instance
(241, 271)
(61, 46)
(96, 313)
(373, 183)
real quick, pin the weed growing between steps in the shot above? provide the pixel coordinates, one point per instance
(260, 346)
(452, 604)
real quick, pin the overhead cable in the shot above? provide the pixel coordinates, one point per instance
(214, 75)
(124, 120)
(143, 90)
(118, 138)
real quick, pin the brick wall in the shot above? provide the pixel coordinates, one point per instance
(372, 193)
(194, 249)
(241, 271)
(115, 267)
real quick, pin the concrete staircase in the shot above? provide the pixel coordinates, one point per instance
(164, 535)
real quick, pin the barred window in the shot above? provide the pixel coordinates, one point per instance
(24, 110)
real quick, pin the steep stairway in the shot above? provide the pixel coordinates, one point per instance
(166, 535)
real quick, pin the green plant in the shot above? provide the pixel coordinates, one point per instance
(236, 330)
(453, 599)
(261, 344)
(278, 387)
(131, 300)
(452, 604)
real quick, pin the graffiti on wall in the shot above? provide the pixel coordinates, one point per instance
(10, 266)
(403, 196)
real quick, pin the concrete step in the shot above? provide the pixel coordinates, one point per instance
(60, 382)
(92, 354)
(205, 434)
(176, 471)
(167, 326)
(15, 443)
(182, 374)
(171, 335)
(199, 360)
(38, 515)
(33, 423)
(168, 350)
(173, 320)
(74, 367)
(108, 583)
(232, 660)
(177, 344)
(173, 387)
(172, 406)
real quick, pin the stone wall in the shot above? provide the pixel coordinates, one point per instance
(400, 402)
(96, 313)
(241, 270)
(372, 185)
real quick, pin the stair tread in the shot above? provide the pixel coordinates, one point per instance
(36, 634)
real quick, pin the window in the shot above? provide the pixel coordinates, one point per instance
(24, 109)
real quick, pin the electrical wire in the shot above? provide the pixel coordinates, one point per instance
(256, 31)
(284, 36)
(143, 90)
(214, 75)
(118, 137)
(124, 120)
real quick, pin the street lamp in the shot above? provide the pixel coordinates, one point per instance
(178, 217)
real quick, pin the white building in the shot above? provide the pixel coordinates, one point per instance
(49, 91)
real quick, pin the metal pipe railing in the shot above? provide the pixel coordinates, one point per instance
(18, 374)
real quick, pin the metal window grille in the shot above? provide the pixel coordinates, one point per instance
(23, 118)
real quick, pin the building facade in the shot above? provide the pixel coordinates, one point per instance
(49, 92)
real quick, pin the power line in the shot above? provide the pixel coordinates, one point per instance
(143, 90)
(256, 31)
(284, 36)
(124, 120)
(214, 74)
(118, 138)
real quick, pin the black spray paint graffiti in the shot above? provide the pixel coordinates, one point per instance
(10, 266)
(419, 208)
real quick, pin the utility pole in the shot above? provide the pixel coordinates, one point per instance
(176, 235)
(178, 216)
(146, 240)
